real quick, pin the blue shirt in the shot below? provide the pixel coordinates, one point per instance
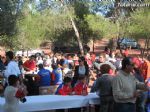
(57, 76)
(59, 87)
(44, 77)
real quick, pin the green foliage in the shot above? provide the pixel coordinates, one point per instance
(36, 27)
(8, 16)
(101, 26)
(139, 26)
(28, 27)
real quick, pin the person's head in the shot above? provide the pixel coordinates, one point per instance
(45, 63)
(82, 79)
(58, 56)
(81, 62)
(118, 55)
(67, 81)
(105, 68)
(102, 58)
(32, 57)
(107, 50)
(13, 80)
(127, 64)
(9, 55)
(54, 66)
(40, 66)
(82, 58)
(19, 57)
(64, 56)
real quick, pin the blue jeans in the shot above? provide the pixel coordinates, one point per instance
(124, 107)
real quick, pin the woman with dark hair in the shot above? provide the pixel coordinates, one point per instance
(80, 70)
(126, 88)
(13, 93)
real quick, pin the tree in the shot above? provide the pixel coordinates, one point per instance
(9, 10)
(38, 26)
(138, 26)
(101, 26)
(9, 13)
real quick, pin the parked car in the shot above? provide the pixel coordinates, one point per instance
(127, 42)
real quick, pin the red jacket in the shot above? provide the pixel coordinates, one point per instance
(30, 64)
(64, 90)
(80, 88)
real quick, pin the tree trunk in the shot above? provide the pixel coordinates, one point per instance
(93, 46)
(148, 44)
(76, 31)
(77, 35)
(117, 9)
(143, 50)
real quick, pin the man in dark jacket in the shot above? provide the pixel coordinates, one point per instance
(104, 87)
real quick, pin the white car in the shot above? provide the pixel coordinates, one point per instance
(128, 42)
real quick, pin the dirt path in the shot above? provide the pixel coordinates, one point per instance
(100, 45)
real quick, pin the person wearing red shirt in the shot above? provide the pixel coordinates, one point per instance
(30, 67)
(145, 68)
(126, 52)
(30, 64)
(65, 88)
(81, 86)
(148, 66)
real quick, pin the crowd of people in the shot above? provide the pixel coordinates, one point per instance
(122, 82)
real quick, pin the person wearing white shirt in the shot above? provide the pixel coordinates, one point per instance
(102, 61)
(12, 68)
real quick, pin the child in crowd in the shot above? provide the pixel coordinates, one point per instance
(65, 88)
(13, 93)
(81, 86)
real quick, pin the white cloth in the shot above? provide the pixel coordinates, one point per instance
(50, 102)
(118, 63)
(12, 69)
(40, 62)
(11, 102)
